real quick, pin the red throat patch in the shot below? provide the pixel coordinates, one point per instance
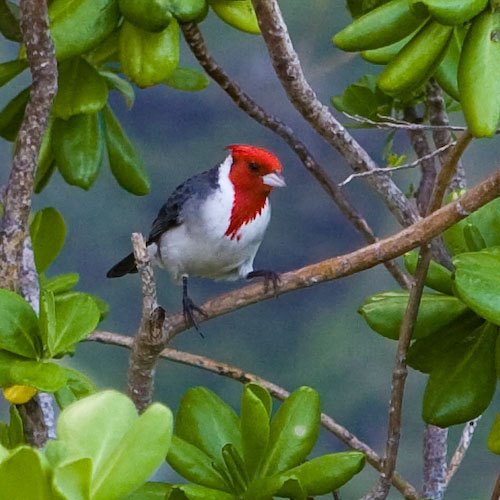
(245, 209)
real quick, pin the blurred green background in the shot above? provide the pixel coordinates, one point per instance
(311, 337)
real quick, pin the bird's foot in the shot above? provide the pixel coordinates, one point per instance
(269, 277)
(189, 308)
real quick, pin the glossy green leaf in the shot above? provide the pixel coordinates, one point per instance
(438, 277)
(105, 427)
(286, 486)
(78, 148)
(194, 465)
(10, 69)
(187, 79)
(294, 430)
(460, 388)
(72, 480)
(150, 15)
(9, 21)
(81, 89)
(48, 233)
(239, 15)
(22, 476)
(383, 55)
(147, 440)
(12, 115)
(426, 353)
(148, 58)
(101, 304)
(46, 163)
(494, 436)
(77, 316)
(77, 26)
(195, 492)
(363, 98)
(15, 370)
(384, 313)
(207, 422)
(60, 283)
(150, 491)
(105, 51)
(47, 321)
(116, 82)
(16, 428)
(189, 10)
(4, 453)
(77, 386)
(477, 282)
(452, 11)
(446, 72)
(126, 165)
(18, 325)
(256, 406)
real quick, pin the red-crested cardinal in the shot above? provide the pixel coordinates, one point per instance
(213, 224)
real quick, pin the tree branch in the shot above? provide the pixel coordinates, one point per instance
(195, 40)
(278, 392)
(151, 337)
(17, 201)
(287, 66)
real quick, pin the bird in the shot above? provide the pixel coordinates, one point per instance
(212, 225)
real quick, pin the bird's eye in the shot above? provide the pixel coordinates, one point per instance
(253, 167)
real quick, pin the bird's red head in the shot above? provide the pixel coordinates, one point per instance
(254, 172)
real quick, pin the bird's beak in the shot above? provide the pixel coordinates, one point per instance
(274, 179)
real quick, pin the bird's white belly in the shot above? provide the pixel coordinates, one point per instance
(201, 248)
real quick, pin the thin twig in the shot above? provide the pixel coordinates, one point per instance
(495, 495)
(461, 450)
(287, 66)
(195, 40)
(278, 392)
(151, 337)
(390, 170)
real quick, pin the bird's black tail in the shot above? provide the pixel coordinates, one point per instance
(125, 266)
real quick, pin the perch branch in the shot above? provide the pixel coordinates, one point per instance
(278, 392)
(495, 495)
(288, 69)
(151, 337)
(195, 40)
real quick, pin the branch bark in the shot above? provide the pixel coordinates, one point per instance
(235, 373)
(196, 43)
(151, 337)
(288, 68)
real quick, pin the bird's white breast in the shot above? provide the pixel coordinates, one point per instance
(199, 246)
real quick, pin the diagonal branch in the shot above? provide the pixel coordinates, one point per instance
(288, 68)
(195, 40)
(278, 392)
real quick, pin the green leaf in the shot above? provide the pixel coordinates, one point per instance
(438, 277)
(22, 476)
(294, 430)
(150, 491)
(207, 422)
(187, 79)
(48, 233)
(105, 427)
(494, 436)
(10, 69)
(486, 220)
(47, 321)
(16, 429)
(101, 304)
(477, 282)
(194, 465)
(286, 486)
(60, 283)
(384, 313)
(235, 468)
(256, 406)
(460, 388)
(77, 315)
(115, 82)
(18, 325)
(126, 165)
(72, 480)
(12, 115)
(364, 98)
(43, 376)
(81, 89)
(195, 492)
(78, 148)
(46, 164)
(426, 353)
(239, 15)
(77, 386)
(9, 21)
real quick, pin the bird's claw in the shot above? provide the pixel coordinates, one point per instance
(189, 308)
(269, 277)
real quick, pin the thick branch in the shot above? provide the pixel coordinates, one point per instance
(278, 392)
(151, 337)
(194, 38)
(287, 66)
(17, 201)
